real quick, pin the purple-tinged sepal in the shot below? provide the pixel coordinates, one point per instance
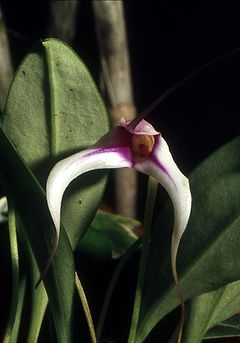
(163, 168)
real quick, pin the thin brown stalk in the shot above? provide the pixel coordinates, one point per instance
(116, 75)
(62, 22)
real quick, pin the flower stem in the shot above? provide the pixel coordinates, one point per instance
(151, 196)
(86, 309)
(112, 284)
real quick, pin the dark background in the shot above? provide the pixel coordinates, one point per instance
(167, 41)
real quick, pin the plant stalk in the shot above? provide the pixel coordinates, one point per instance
(116, 77)
(151, 197)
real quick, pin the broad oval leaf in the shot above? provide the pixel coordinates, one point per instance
(209, 252)
(54, 109)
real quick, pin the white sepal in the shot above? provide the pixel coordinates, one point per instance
(71, 167)
(162, 167)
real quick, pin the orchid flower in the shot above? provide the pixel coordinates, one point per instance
(133, 144)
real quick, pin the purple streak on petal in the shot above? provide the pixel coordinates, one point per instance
(117, 140)
(123, 151)
(154, 158)
(117, 137)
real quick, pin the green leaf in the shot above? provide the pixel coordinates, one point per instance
(209, 309)
(209, 251)
(148, 217)
(39, 302)
(54, 109)
(30, 205)
(12, 336)
(37, 299)
(228, 328)
(109, 236)
(18, 292)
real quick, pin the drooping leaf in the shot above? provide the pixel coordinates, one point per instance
(209, 251)
(54, 109)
